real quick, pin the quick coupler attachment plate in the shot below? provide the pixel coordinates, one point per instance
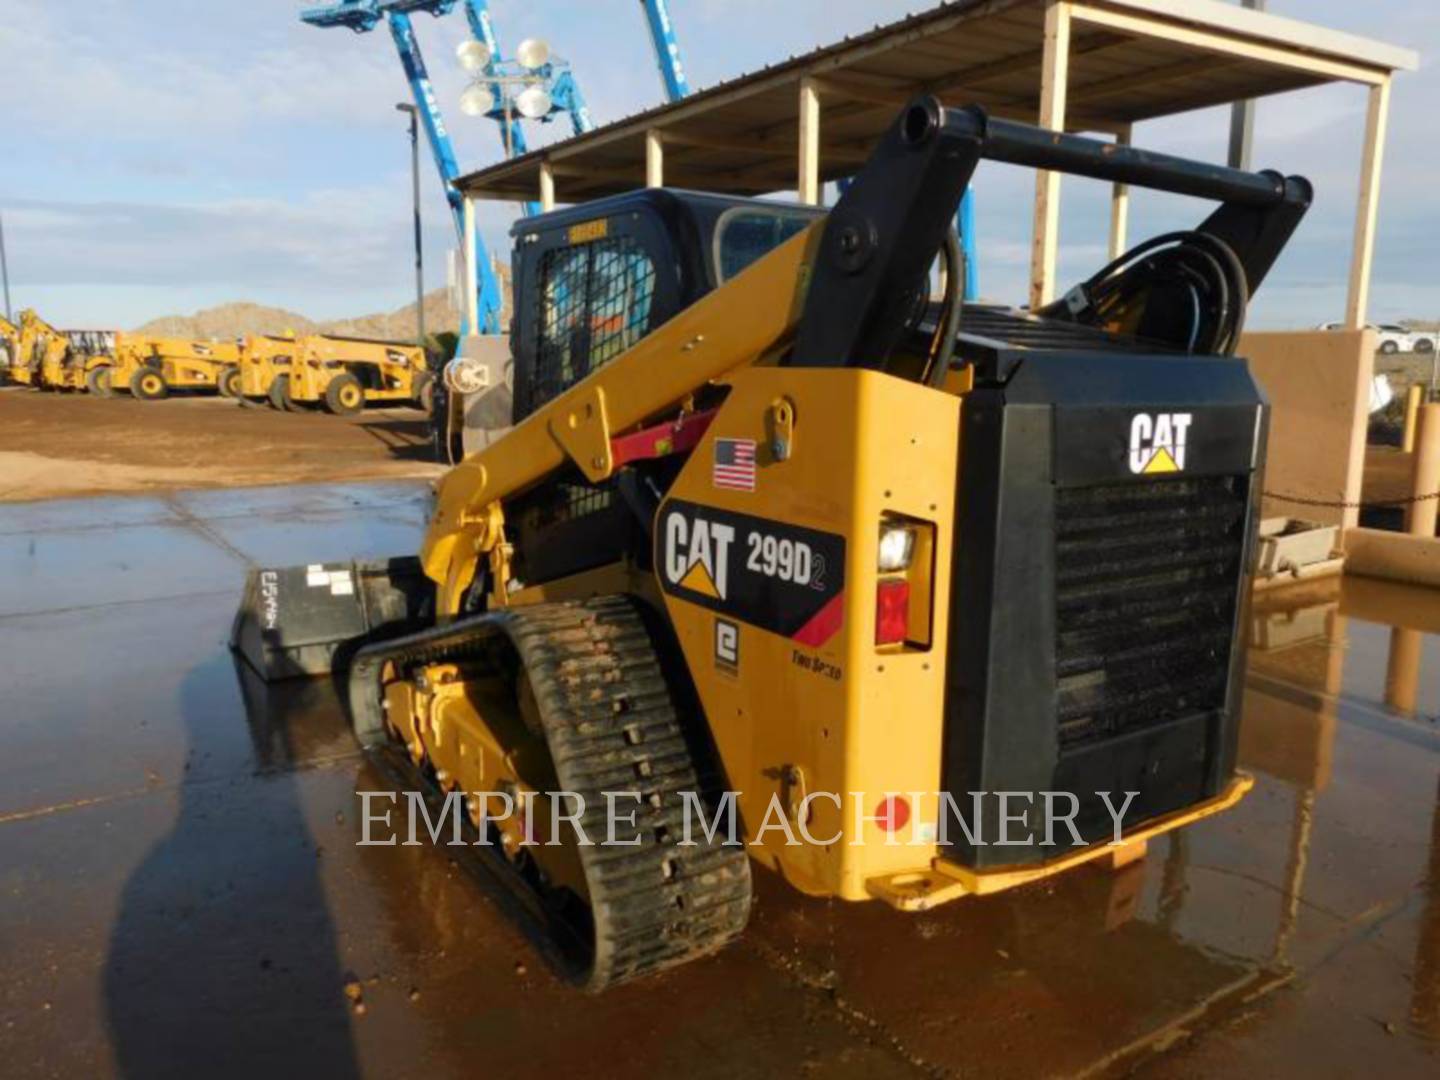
(292, 620)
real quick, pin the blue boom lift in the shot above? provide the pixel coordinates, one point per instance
(667, 49)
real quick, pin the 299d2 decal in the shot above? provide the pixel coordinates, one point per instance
(779, 577)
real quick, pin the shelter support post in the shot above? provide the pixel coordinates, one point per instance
(654, 158)
(1119, 205)
(472, 269)
(1054, 75)
(1367, 206)
(808, 182)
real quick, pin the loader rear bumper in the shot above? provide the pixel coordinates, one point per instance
(946, 880)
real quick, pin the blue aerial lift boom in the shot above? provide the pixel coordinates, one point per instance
(667, 49)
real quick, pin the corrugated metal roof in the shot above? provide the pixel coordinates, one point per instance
(740, 136)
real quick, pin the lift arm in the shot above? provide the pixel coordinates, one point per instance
(881, 236)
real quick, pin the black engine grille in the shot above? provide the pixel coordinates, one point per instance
(1147, 580)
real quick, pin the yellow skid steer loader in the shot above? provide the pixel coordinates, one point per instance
(903, 598)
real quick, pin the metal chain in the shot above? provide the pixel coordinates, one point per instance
(1379, 504)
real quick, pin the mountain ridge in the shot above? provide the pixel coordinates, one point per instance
(241, 317)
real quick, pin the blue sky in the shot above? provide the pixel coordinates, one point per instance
(166, 155)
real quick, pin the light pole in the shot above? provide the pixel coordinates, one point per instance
(5, 271)
(414, 115)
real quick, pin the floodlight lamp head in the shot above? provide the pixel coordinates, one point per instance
(473, 55)
(533, 102)
(477, 100)
(532, 53)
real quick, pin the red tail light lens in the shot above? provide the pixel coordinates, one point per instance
(892, 611)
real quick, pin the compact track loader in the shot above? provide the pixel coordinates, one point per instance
(344, 374)
(778, 526)
(149, 367)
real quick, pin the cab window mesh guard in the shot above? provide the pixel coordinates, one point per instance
(597, 299)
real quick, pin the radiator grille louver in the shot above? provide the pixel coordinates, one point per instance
(1147, 580)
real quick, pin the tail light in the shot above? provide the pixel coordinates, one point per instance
(905, 559)
(892, 611)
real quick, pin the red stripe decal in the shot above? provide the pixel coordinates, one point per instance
(824, 624)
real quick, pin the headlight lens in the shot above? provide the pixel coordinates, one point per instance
(897, 547)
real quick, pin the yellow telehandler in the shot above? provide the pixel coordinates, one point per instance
(344, 374)
(906, 599)
(150, 367)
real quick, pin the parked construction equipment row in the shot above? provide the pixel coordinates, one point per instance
(340, 374)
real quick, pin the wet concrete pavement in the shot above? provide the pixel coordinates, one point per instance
(180, 890)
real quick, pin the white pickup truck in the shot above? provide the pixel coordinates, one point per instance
(1395, 338)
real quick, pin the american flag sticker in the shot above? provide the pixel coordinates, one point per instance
(734, 464)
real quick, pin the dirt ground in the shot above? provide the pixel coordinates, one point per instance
(56, 445)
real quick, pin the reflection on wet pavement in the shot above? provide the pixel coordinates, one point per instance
(180, 890)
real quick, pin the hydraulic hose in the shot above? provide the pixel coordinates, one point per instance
(1202, 264)
(954, 308)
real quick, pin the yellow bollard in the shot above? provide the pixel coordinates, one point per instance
(1413, 397)
(1425, 474)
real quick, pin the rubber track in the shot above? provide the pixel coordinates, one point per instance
(610, 723)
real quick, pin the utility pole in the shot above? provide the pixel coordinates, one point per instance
(414, 115)
(1242, 117)
(5, 271)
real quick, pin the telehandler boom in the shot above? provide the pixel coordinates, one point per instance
(784, 530)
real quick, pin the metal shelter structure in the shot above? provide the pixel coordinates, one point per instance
(1072, 65)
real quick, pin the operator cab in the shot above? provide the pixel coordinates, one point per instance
(592, 280)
